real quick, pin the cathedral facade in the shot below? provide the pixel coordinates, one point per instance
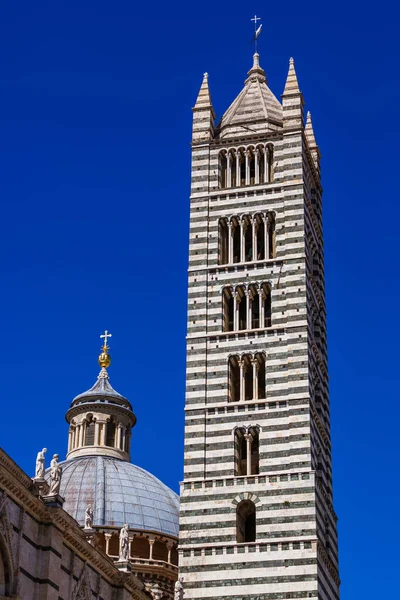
(256, 508)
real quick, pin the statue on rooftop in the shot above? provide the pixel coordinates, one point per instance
(124, 543)
(40, 467)
(179, 591)
(89, 517)
(55, 476)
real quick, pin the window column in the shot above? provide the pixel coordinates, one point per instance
(243, 227)
(108, 538)
(169, 548)
(241, 365)
(96, 433)
(238, 153)
(123, 438)
(151, 544)
(248, 438)
(247, 155)
(255, 229)
(81, 434)
(266, 165)
(261, 295)
(254, 363)
(228, 170)
(248, 308)
(256, 173)
(236, 302)
(230, 242)
(119, 429)
(103, 434)
(70, 439)
(266, 237)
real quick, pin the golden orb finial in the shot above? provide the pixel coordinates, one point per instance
(104, 357)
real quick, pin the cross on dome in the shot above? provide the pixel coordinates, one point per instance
(105, 358)
(106, 335)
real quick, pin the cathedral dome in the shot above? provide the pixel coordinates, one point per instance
(119, 493)
(98, 471)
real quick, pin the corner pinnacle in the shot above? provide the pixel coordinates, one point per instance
(204, 97)
(292, 85)
(309, 131)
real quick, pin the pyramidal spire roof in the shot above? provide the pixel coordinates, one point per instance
(204, 97)
(309, 131)
(255, 107)
(292, 85)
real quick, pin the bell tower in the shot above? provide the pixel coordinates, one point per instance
(256, 511)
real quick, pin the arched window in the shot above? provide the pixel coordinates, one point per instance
(240, 321)
(255, 452)
(228, 309)
(113, 546)
(240, 157)
(234, 379)
(174, 556)
(248, 239)
(248, 377)
(259, 250)
(110, 437)
(223, 170)
(160, 551)
(140, 547)
(260, 175)
(232, 168)
(223, 242)
(254, 308)
(265, 306)
(246, 451)
(128, 439)
(260, 376)
(270, 159)
(245, 522)
(89, 431)
(240, 453)
(236, 240)
(252, 166)
(271, 236)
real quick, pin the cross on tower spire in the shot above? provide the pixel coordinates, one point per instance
(257, 31)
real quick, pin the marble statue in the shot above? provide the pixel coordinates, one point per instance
(89, 517)
(179, 591)
(124, 543)
(40, 468)
(55, 476)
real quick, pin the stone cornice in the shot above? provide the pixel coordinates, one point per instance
(106, 409)
(12, 467)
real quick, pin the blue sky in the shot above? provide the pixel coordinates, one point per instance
(95, 124)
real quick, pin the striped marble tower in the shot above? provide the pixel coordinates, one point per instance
(257, 520)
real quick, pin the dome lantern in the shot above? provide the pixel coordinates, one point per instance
(100, 419)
